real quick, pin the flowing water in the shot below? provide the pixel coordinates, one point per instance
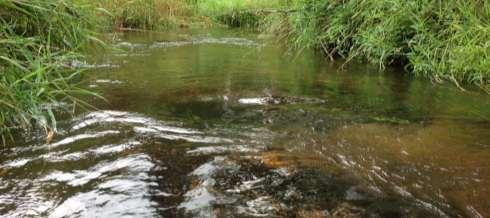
(218, 124)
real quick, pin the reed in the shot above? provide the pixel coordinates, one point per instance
(145, 14)
(38, 39)
(238, 13)
(440, 40)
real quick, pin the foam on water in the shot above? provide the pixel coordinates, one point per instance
(254, 101)
(206, 40)
(108, 81)
(85, 64)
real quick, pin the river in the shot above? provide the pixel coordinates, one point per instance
(218, 123)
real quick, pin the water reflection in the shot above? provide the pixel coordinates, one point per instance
(219, 125)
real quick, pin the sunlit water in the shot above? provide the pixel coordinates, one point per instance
(217, 124)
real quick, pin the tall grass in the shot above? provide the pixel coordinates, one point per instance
(164, 14)
(37, 40)
(145, 14)
(238, 13)
(441, 40)
(217, 7)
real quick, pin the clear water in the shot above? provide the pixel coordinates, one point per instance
(216, 124)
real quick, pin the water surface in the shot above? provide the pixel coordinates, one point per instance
(216, 123)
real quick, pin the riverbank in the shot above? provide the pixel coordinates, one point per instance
(165, 14)
(38, 41)
(439, 40)
(215, 123)
(41, 39)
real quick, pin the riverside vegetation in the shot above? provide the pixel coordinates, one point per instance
(440, 40)
(38, 40)
(216, 122)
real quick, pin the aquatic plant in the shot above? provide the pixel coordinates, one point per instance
(38, 40)
(441, 40)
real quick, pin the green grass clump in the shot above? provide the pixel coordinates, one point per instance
(38, 39)
(442, 40)
(238, 13)
(238, 18)
(145, 14)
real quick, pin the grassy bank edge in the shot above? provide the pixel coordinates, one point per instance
(438, 40)
(39, 39)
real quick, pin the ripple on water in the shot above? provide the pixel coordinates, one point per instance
(194, 41)
(222, 149)
(54, 156)
(189, 138)
(125, 193)
(133, 164)
(206, 40)
(201, 199)
(84, 64)
(108, 81)
(107, 181)
(105, 187)
(120, 117)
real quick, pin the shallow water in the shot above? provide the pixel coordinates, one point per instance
(218, 124)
